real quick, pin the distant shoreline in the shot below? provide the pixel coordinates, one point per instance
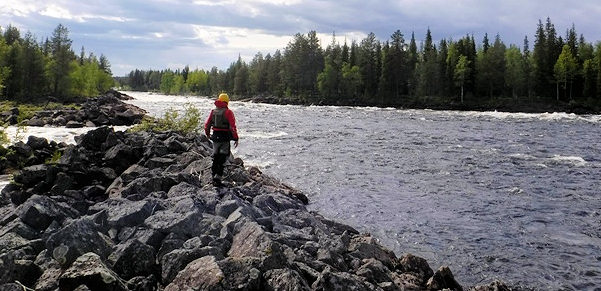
(420, 103)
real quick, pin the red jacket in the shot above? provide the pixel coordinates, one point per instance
(229, 115)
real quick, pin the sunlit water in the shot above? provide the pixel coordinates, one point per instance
(492, 195)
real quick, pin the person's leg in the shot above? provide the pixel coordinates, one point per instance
(221, 151)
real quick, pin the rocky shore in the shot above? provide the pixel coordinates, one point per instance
(136, 211)
(107, 109)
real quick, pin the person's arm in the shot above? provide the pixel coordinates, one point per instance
(208, 124)
(231, 119)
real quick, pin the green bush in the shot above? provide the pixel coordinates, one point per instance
(187, 122)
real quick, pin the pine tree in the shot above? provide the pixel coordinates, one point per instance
(60, 65)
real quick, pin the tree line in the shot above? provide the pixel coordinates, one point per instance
(396, 72)
(32, 69)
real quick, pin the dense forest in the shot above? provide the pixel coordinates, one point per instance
(559, 72)
(32, 69)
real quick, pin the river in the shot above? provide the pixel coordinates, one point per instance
(492, 195)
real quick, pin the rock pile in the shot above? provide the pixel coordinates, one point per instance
(135, 211)
(107, 109)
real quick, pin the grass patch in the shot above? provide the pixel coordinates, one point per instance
(184, 121)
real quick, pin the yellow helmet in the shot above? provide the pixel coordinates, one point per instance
(224, 97)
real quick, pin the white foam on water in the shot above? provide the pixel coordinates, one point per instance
(57, 134)
(571, 160)
(522, 156)
(263, 135)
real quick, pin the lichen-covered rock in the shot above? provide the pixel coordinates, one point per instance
(90, 271)
(81, 236)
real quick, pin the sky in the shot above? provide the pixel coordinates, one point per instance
(160, 34)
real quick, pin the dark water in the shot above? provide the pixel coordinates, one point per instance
(492, 195)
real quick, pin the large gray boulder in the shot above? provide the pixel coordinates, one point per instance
(89, 270)
(77, 238)
(40, 211)
(133, 258)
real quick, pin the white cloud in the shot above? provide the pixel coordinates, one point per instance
(17, 8)
(59, 12)
(233, 38)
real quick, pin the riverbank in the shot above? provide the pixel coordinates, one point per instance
(136, 211)
(106, 109)
(497, 104)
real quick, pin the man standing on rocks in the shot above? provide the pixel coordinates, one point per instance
(222, 121)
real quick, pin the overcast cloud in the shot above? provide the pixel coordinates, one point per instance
(158, 34)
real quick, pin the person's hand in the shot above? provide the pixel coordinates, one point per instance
(235, 144)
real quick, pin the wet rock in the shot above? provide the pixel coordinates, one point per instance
(90, 271)
(74, 124)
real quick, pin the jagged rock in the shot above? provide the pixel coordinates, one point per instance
(13, 268)
(272, 203)
(365, 247)
(494, 286)
(120, 157)
(141, 283)
(340, 281)
(93, 139)
(158, 162)
(77, 238)
(62, 183)
(39, 211)
(443, 279)
(37, 143)
(203, 273)
(173, 262)
(32, 174)
(284, 279)
(141, 187)
(123, 212)
(74, 124)
(374, 271)
(133, 258)
(409, 263)
(168, 221)
(89, 270)
(250, 241)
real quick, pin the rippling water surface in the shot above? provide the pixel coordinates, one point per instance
(492, 195)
